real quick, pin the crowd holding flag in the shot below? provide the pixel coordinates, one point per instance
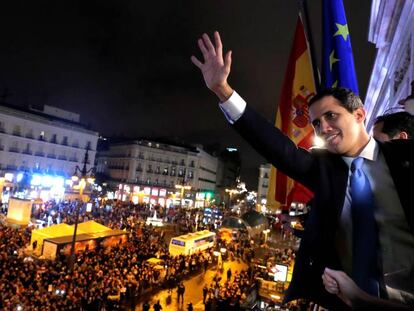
(299, 86)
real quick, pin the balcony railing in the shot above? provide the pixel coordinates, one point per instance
(14, 149)
(62, 157)
(51, 156)
(27, 151)
(39, 154)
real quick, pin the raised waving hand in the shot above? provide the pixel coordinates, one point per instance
(215, 68)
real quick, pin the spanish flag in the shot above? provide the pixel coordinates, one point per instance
(292, 118)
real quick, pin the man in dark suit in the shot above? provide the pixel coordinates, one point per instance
(398, 125)
(338, 118)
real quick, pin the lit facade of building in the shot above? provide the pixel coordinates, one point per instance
(392, 32)
(44, 147)
(263, 185)
(151, 172)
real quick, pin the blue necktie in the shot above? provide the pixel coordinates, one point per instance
(365, 233)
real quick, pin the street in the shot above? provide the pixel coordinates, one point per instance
(193, 289)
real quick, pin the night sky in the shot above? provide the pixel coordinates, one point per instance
(125, 66)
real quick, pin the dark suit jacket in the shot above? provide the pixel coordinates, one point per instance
(326, 174)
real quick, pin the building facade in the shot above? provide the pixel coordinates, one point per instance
(263, 185)
(38, 143)
(153, 172)
(392, 32)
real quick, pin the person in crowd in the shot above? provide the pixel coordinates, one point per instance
(399, 125)
(357, 182)
(146, 306)
(180, 292)
(205, 291)
(157, 306)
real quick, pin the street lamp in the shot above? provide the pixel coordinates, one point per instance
(2, 181)
(266, 232)
(82, 181)
(231, 192)
(182, 188)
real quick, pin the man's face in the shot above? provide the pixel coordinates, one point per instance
(343, 132)
(378, 134)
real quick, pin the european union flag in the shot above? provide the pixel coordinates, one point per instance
(338, 68)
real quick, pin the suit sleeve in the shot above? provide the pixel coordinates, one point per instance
(276, 147)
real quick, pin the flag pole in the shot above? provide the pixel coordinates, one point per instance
(303, 12)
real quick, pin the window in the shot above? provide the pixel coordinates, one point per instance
(14, 147)
(16, 130)
(27, 149)
(53, 139)
(29, 134)
(173, 171)
(42, 135)
(65, 140)
(165, 171)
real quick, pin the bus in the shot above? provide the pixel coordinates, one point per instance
(191, 243)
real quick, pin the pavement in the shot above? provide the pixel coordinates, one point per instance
(194, 285)
(193, 289)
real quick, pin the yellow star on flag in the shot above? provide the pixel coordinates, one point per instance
(342, 31)
(332, 60)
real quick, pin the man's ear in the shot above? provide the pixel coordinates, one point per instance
(360, 114)
(401, 135)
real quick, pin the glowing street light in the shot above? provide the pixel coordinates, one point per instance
(231, 192)
(266, 232)
(82, 181)
(2, 181)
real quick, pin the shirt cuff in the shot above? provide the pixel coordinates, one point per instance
(233, 108)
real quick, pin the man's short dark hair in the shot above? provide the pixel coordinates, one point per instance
(347, 99)
(395, 123)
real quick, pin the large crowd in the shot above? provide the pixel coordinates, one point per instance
(122, 275)
(229, 295)
(99, 277)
